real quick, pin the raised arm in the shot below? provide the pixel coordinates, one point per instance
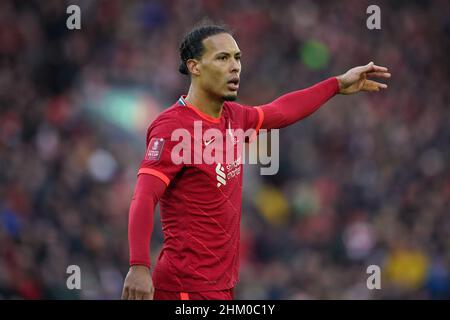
(294, 106)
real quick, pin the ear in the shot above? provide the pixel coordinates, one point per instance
(193, 66)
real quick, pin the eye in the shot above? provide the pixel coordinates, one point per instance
(222, 58)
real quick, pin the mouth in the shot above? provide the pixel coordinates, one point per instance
(233, 84)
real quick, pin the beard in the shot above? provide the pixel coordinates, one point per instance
(229, 97)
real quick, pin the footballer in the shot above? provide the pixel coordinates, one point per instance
(200, 204)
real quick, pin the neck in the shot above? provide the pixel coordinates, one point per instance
(204, 102)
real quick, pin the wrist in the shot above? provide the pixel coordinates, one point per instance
(140, 267)
(340, 83)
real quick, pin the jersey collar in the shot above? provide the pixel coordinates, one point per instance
(183, 102)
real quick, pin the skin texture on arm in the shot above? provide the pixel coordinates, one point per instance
(138, 282)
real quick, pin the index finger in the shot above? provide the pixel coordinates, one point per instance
(379, 74)
(379, 68)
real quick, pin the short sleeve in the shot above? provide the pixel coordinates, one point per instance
(158, 155)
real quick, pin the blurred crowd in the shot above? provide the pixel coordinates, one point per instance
(364, 181)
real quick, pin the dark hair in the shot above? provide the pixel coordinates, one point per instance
(192, 45)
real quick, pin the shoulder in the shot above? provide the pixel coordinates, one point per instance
(167, 121)
(247, 117)
(235, 109)
(231, 105)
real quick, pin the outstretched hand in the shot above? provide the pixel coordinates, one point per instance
(355, 79)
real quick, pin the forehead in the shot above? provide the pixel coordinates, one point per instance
(222, 42)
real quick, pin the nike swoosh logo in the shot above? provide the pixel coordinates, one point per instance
(209, 142)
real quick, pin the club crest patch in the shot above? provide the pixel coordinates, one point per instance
(155, 148)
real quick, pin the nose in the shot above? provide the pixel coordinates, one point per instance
(235, 65)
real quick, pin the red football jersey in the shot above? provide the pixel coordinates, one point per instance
(201, 206)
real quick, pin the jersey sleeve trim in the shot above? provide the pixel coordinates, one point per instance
(258, 125)
(260, 118)
(155, 173)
